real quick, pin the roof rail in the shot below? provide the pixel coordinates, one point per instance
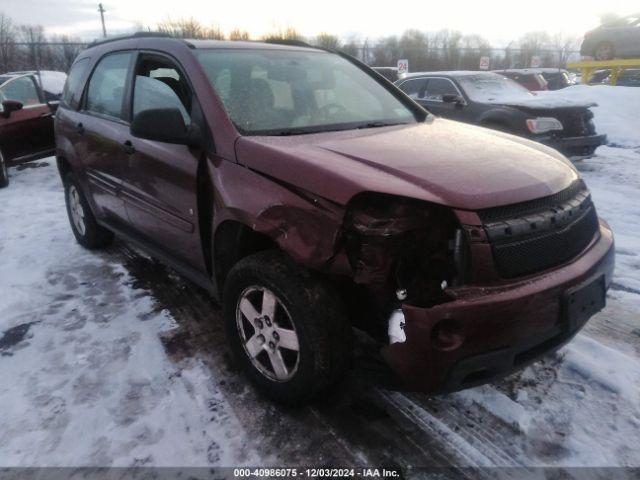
(288, 42)
(133, 35)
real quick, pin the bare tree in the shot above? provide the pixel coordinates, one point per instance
(288, 33)
(190, 28)
(66, 53)
(531, 44)
(238, 34)
(351, 47)
(38, 55)
(473, 47)
(7, 47)
(386, 52)
(414, 46)
(565, 45)
(327, 40)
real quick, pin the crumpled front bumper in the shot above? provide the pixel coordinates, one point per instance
(488, 332)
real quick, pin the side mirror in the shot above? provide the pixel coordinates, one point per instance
(453, 98)
(10, 106)
(165, 125)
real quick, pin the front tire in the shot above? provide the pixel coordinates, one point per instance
(4, 172)
(286, 327)
(83, 223)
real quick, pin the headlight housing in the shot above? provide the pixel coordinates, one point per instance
(396, 244)
(543, 124)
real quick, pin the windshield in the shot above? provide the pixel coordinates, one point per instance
(488, 88)
(285, 92)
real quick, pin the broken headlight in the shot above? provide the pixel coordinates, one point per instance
(404, 247)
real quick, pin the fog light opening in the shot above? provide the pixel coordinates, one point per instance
(445, 335)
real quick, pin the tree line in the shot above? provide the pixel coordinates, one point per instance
(25, 47)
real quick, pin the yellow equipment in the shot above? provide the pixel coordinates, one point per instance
(617, 66)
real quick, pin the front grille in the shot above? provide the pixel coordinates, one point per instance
(489, 215)
(539, 234)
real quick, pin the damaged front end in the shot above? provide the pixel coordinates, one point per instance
(402, 252)
(404, 248)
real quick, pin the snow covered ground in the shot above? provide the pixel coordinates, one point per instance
(110, 359)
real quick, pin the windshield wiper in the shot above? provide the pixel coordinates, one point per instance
(380, 124)
(306, 131)
(289, 131)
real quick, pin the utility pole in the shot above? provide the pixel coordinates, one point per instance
(101, 10)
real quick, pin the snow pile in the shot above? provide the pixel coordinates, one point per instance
(617, 113)
(609, 368)
(507, 410)
(613, 177)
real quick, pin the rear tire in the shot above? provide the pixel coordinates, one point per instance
(83, 223)
(604, 51)
(272, 306)
(4, 172)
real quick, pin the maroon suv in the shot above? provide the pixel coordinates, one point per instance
(309, 195)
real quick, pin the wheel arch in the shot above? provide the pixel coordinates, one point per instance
(231, 242)
(64, 166)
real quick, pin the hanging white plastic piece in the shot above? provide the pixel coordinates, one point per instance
(396, 327)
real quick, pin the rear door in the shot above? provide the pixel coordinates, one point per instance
(160, 186)
(430, 97)
(102, 130)
(28, 131)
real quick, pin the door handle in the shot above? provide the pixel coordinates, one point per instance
(128, 148)
(46, 114)
(80, 128)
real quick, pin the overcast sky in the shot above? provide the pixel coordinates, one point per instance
(497, 20)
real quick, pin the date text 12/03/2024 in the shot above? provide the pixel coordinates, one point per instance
(364, 472)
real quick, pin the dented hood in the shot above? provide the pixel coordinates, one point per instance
(441, 161)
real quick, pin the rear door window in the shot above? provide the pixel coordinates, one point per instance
(414, 88)
(106, 90)
(437, 87)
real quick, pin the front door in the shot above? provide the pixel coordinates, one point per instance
(160, 187)
(28, 131)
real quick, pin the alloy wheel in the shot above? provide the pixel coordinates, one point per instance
(77, 211)
(268, 333)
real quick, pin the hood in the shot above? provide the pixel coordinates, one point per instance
(440, 161)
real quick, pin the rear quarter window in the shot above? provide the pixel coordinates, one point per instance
(72, 91)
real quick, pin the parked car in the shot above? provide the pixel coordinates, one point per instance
(308, 195)
(390, 73)
(494, 101)
(531, 80)
(26, 117)
(619, 39)
(628, 78)
(599, 77)
(557, 78)
(554, 78)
